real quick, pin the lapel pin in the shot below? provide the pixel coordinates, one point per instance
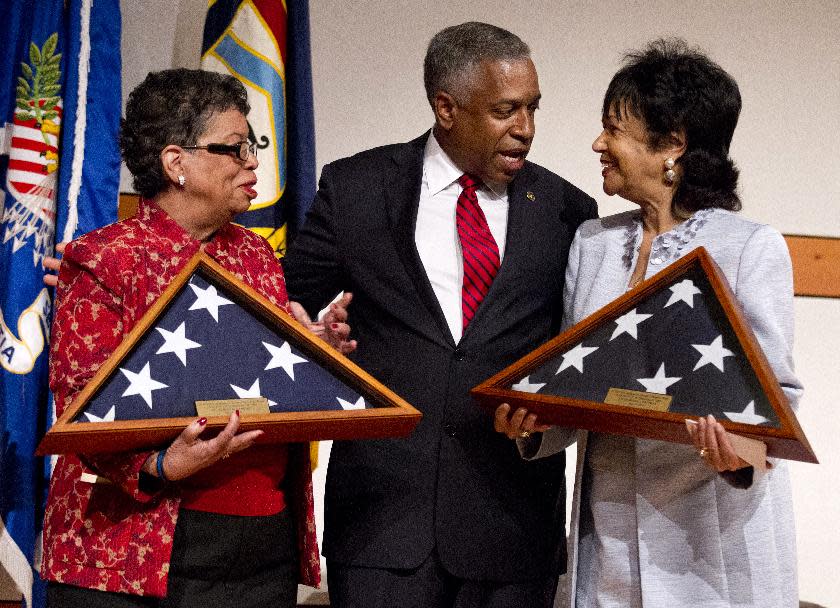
(530, 196)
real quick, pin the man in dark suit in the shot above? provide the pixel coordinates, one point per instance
(450, 516)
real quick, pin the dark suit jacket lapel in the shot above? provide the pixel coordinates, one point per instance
(402, 198)
(515, 243)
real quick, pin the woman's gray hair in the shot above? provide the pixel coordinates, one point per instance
(455, 51)
(172, 107)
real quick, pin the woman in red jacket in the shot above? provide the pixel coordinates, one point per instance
(203, 521)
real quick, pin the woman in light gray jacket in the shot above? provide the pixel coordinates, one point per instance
(658, 524)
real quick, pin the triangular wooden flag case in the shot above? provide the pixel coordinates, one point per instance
(677, 346)
(211, 337)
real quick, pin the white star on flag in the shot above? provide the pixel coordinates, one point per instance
(659, 383)
(684, 291)
(629, 324)
(108, 417)
(712, 354)
(209, 300)
(748, 416)
(142, 384)
(254, 391)
(176, 342)
(526, 386)
(349, 405)
(283, 357)
(574, 358)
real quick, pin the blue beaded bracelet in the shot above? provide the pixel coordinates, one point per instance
(159, 464)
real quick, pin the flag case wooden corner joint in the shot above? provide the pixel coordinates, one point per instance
(675, 347)
(210, 337)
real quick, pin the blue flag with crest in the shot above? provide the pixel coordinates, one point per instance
(59, 169)
(265, 44)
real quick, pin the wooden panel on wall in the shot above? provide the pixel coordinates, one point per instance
(816, 265)
(128, 205)
(816, 260)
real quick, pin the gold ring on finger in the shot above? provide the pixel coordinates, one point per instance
(524, 434)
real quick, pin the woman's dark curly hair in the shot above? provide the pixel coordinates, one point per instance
(674, 88)
(172, 107)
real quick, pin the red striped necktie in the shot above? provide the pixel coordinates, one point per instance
(481, 254)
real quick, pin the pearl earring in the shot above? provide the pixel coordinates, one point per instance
(182, 180)
(670, 174)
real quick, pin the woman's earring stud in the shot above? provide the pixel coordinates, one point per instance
(670, 174)
(182, 180)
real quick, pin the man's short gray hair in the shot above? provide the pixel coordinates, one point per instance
(453, 53)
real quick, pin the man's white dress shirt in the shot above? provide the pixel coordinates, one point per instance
(436, 234)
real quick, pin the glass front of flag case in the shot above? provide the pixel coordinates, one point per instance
(211, 345)
(675, 347)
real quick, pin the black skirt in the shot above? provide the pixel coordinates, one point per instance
(217, 560)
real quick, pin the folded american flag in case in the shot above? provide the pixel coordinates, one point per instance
(205, 346)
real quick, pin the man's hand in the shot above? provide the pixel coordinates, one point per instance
(52, 264)
(333, 328)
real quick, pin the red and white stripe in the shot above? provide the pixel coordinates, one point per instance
(28, 178)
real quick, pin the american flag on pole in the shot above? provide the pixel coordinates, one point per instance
(59, 174)
(206, 346)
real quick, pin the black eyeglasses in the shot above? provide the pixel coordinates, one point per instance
(242, 150)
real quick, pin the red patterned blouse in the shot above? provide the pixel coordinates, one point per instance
(118, 536)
